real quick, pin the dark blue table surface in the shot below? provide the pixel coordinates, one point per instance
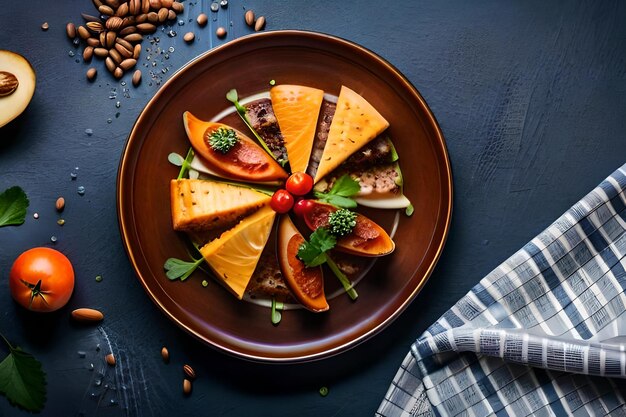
(531, 98)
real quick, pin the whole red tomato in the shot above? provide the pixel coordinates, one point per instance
(299, 183)
(302, 207)
(42, 279)
(281, 201)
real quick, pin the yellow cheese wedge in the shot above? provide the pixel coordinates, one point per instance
(200, 205)
(355, 123)
(235, 254)
(297, 108)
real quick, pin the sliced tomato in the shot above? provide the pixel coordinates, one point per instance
(306, 284)
(245, 161)
(367, 237)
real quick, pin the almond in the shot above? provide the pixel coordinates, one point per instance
(91, 75)
(250, 18)
(155, 4)
(171, 15)
(93, 42)
(70, 29)
(133, 37)
(165, 354)
(114, 23)
(146, 28)
(153, 17)
(110, 64)
(260, 23)
(118, 73)
(141, 18)
(60, 204)
(189, 36)
(125, 53)
(94, 27)
(134, 7)
(128, 30)
(162, 15)
(186, 387)
(122, 10)
(145, 6)
(167, 3)
(87, 53)
(110, 39)
(136, 51)
(8, 83)
(178, 7)
(106, 10)
(87, 315)
(188, 370)
(83, 32)
(110, 359)
(128, 64)
(220, 32)
(116, 57)
(101, 52)
(202, 19)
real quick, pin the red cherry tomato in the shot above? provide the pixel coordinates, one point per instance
(282, 201)
(42, 279)
(302, 207)
(299, 183)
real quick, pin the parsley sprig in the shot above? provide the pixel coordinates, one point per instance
(184, 164)
(314, 253)
(341, 192)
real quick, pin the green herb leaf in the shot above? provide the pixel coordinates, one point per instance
(223, 139)
(179, 269)
(22, 380)
(312, 253)
(340, 193)
(184, 164)
(345, 186)
(335, 200)
(409, 210)
(13, 205)
(276, 315)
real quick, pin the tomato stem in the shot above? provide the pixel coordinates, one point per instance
(35, 291)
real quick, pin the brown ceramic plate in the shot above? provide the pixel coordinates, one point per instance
(248, 64)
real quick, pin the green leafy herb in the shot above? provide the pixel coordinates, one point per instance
(313, 252)
(13, 205)
(184, 164)
(179, 269)
(223, 139)
(409, 210)
(277, 306)
(234, 98)
(394, 154)
(22, 380)
(341, 222)
(341, 192)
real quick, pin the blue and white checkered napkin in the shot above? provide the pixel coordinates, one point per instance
(538, 335)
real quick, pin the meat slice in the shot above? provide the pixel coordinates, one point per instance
(327, 111)
(263, 120)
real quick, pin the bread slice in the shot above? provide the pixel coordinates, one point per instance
(201, 205)
(297, 108)
(234, 255)
(355, 123)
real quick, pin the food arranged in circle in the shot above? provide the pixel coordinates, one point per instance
(274, 212)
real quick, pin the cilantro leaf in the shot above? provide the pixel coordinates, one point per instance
(13, 205)
(179, 269)
(277, 306)
(312, 253)
(22, 380)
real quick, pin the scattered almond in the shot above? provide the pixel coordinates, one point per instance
(260, 23)
(45, 26)
(60, 203)
(186, 387)
(83, 32)
(87, 315)
(191, 374)
(87, 53)
(165, 354)
(110, 359)
(202, 19)
(189, 36)
(70, 29)
(250, 18)
(118, 73)
(220, 32)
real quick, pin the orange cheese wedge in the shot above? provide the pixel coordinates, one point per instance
(355, 123)
(200, 205)
(234, 255)
(297, 108)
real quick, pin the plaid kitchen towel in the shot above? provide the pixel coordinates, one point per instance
(537, 336)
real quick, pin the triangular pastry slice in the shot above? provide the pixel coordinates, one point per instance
(297, 108)
(201, 205)
(235, 254)
(355, 123)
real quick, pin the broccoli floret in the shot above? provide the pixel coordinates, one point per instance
(341, 222)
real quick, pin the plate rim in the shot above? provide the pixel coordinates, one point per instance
(353, 342)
